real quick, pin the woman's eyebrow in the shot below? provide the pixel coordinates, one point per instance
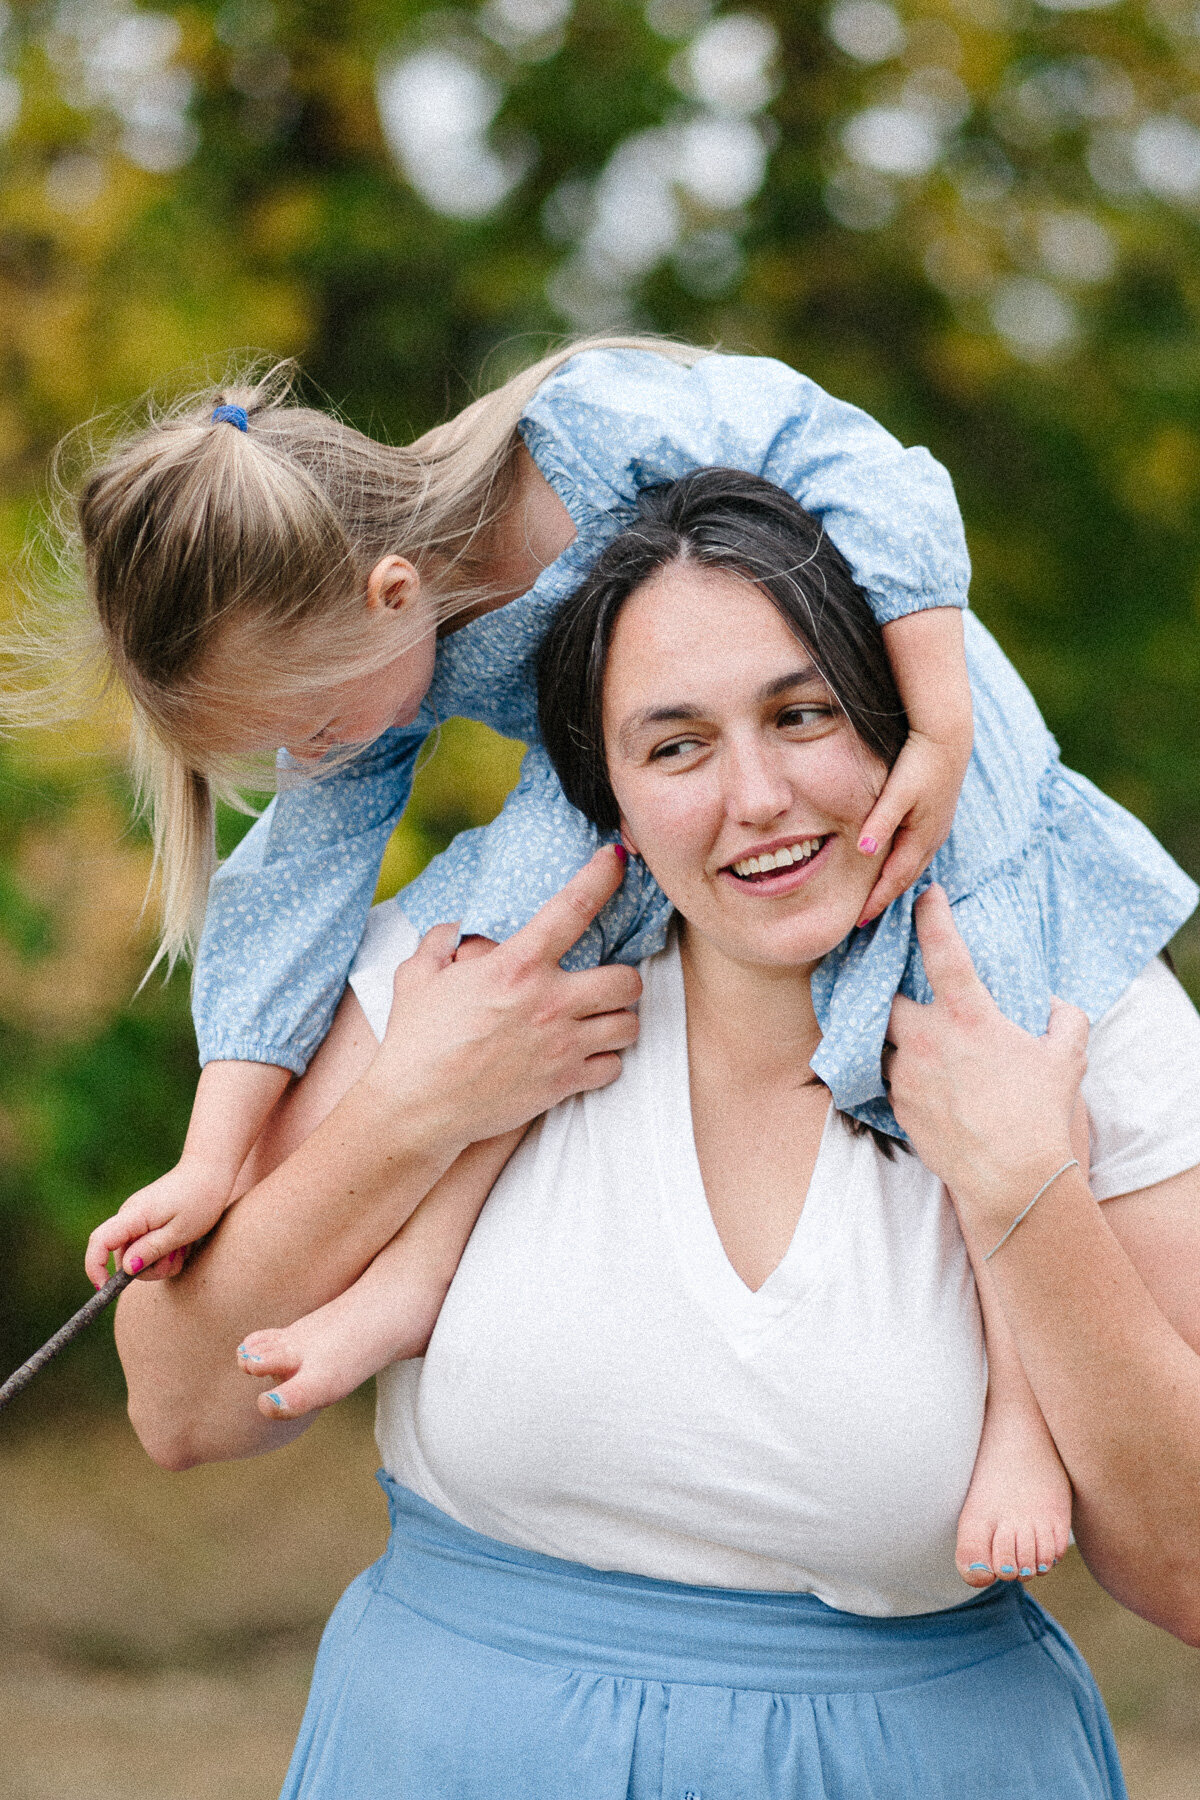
(798, 678)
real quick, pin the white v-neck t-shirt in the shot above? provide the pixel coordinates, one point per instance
(602, 1386)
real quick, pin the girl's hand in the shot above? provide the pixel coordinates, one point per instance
(915, 811)
(476, 1047)
(988, 1106)
(152, 1230)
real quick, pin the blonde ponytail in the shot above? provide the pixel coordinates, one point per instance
(190, 535)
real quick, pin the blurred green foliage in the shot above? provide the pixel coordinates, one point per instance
(976, 218)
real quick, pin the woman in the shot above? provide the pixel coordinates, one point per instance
(682, 1463)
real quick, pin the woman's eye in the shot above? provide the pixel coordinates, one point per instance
(676, 748)
(805, 718)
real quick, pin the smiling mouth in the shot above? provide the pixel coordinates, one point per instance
(757, 868)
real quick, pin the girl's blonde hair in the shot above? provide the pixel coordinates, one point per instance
(226, 572)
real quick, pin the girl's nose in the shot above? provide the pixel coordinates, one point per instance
(757, 789)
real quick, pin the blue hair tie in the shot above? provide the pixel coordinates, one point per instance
(231, 415)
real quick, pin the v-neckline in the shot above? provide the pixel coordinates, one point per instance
(745, 1314)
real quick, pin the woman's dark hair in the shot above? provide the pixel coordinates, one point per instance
(714, 519)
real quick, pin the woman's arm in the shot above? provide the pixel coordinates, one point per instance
(989, 1108)
(473, 1050)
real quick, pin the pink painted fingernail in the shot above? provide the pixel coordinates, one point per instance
(136, 1265)
(622, 853)
(868, 846)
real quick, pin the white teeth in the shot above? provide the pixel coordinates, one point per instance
(778, 859)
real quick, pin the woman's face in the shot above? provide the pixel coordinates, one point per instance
(725, 748)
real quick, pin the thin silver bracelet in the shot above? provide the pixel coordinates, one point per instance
(1073, 1164)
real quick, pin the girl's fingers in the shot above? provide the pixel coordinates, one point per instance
(165, 1267)
(150, 1247)
(884, 820)
(99, 1248)
(113, 1237)
(906, 862)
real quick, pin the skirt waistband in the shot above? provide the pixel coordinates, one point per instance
(551, 1611)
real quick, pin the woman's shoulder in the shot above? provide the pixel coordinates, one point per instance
(1142, 1087)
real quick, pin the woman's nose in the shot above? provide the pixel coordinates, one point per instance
(757, 789)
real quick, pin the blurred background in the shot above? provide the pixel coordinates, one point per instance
(976, 218)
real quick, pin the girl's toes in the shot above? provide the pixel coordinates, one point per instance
(290, 1400)
(973, 1554)
(1046, 1556)
(1004, 1553)
(1026, 1552)
(267, 1353)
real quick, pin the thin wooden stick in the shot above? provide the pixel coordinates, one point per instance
(65, 1335)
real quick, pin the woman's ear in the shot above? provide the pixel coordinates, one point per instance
(626, 839)
(391, 584)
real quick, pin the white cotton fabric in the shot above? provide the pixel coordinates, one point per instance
(601, 1386)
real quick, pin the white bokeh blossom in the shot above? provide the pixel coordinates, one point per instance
(1037, 322)
(125, 61)
(1165, 153)
(436, 107)
(870, 31)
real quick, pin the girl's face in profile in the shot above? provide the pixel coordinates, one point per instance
(739, 780)
(342, 714)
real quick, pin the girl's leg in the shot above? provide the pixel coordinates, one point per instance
(1017, 1514)
(392, 1308)
(390, 1311)
(1016, 1518)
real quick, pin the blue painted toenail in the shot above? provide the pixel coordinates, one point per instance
(1042, 1568)
(1026, 1571)
(985, 1566)
(1007, 1569)
(274, 1399)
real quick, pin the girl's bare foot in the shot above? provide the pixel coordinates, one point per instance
(1016, 1519)
(316, 1357)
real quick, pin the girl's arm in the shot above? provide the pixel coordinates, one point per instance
(473, 1051)
(286, 910)
(917, 805)
(989, 1109)
(233, 1103)
(890, 510)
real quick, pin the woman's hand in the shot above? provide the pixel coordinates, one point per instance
(477, 1047)
(988, 1107)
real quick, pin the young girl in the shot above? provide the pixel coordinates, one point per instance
(263, 574)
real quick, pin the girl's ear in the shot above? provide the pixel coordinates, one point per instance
(391, 584)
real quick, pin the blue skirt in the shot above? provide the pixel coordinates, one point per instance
(459, 1668)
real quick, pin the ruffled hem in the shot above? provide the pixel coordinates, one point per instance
(1077, 913)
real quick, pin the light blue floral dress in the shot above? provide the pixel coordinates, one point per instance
(1056, 889)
